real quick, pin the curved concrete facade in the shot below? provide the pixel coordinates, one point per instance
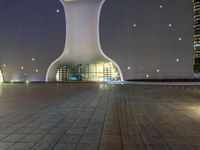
(82, 45)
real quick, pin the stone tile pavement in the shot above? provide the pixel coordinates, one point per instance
(91, 116)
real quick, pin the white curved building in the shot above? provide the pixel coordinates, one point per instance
(82, 56)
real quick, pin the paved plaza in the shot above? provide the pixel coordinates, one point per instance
(92, 116)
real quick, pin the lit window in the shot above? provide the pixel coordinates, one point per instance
(197, 45)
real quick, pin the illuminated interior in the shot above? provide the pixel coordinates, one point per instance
(1, 76)
(88, 72)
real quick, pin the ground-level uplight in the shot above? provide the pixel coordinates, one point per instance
(27, 82)
(1, 76)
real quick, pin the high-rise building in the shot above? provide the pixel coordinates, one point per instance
(197, 36)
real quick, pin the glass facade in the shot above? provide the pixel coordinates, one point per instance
(88, 72)
(196, 5)
(196, 27)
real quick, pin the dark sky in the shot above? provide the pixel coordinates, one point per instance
(34, 29)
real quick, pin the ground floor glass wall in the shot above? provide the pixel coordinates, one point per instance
(88, 72)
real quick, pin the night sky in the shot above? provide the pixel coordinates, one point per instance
(149, 36)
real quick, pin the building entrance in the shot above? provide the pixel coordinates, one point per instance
(88, 72)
